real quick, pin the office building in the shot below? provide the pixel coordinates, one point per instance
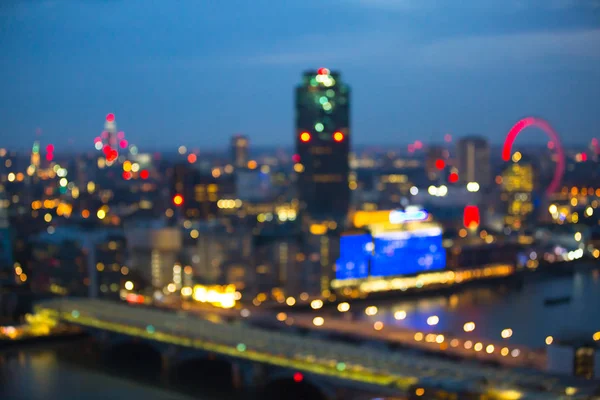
(474, 161)
(239, 151)
(517, 193)
(322, 138)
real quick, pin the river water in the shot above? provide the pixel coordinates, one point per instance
(494, 308)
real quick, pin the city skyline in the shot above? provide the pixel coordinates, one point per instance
(175, 86)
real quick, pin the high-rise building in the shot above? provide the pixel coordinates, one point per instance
(474, 160)
(239, 151)
(517, 194)
(323, 144)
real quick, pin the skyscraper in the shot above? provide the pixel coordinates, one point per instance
(474, 160)
(239, 151)
(323, 144)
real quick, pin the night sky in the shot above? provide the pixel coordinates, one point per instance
(195, 72)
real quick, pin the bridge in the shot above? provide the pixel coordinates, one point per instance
(327, 363)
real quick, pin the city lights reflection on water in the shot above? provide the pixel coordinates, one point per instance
(516, 316)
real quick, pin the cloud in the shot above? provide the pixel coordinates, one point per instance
(571, 48)
(481, 5)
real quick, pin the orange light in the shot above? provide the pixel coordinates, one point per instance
(305, 137)
(191, 158)
(178, 200)
(338, 136)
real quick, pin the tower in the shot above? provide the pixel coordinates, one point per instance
(322, 139)
(239, 151)
(474, 160)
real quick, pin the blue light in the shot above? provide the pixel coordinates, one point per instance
(354, 256)
(399, 217)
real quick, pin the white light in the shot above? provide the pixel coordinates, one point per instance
(442, 191)
(414, 190)
(473, 187)
(433, 320)
(129, 285)
(63, 182)
(98, 145)
(432, 190)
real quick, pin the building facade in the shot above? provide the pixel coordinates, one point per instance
(474, 161)
(322, 139)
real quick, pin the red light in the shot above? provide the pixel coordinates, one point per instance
(305, 137)
(411, 148)
(323, 71)
(338, 136)
(106, 149)
(440, 164)
(50, 148)
(121, 135)
(471, 217)
(583, 156)
(123, 144)
(178, 200)
(97, 139)
(112, 155)
(192, 158)
(453, 178)
(298, 377)
(418, 144)
(49, 156)
(447, 138)
(550, 145)
(144, 174)
(126, 175)
(110, 117)
(296, 158)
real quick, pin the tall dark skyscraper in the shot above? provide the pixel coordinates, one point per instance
(239, 151)
(323, 143)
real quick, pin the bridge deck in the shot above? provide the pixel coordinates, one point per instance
(344, 361)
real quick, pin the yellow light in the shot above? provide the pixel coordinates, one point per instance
(469, 327)
(577, 236)
(315, 304)
(186, 291)
(468, 344)
(371, 310)
(281, 316)
(378, 325)
(420, 392)
(299, 168)
(127, 166)
(91, 186)
(124, 270)
(570, 391)
(318, 229)
(23, 277)
(506, 333)
(549, 340)
(18, 270)
(318, 321)
(399, 315)
(433, 320)
(552, 209)
(129, 285)
(504, 351)
(194, 234)
(489, 349)
(290, 301)
(574, 201)
(439, 339)
(516, 157)
(171, 288)
(418, 336)
(589, 211)
(100, 267)
(101, 214)
(11, 177)
(596, 336)
(478, 346)
(252, 164)
(343, 307)
(48, 217)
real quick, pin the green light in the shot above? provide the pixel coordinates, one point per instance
(313, 82)
(150, 329)
(340, 366)
(36, 147)
(75, 314)
(241, 347)
(319, 127)
(327, 106)
(323, 100)
(330, 93)
(133, 150)
(62, 190)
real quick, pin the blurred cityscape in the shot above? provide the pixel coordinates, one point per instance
(294, 260)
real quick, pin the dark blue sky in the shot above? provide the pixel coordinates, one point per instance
(195, 72)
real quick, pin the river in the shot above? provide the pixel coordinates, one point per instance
(495, 308)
